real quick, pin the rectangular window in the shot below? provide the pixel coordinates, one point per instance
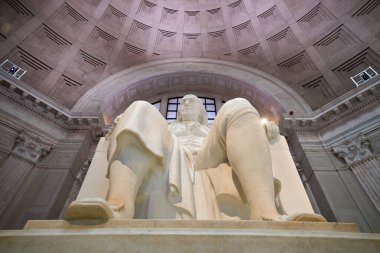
(171, 112)
(157, 105)
(173, 104)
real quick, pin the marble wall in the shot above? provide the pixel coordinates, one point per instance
(341, 166)
(39, 162)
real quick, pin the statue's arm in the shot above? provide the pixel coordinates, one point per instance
(272, 131)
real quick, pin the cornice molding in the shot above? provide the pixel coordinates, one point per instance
(353, 101)
(340, 108)
(52, 112)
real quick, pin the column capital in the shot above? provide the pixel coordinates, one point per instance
(354, 150)
(30, 148)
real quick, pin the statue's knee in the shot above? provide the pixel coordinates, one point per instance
(142, 111)
(238, 105)
(142, 104)
(237, 102)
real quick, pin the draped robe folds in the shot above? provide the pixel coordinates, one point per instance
(190, 191)
(145, 122)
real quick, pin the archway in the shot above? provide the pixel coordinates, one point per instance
(228, 79)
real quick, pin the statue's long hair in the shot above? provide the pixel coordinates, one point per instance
(202, 115)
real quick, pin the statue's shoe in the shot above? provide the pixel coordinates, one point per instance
(311, 217)
(308, 217)
(92, 208)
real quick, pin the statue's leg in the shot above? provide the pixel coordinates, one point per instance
(249, 155)
(129, 167)
(141, 141)
(238, 137)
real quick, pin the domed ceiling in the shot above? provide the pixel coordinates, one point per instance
(67, 47)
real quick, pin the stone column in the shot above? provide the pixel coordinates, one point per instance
(16, 168)
(363, 164)
(307, 187)
(76, 186)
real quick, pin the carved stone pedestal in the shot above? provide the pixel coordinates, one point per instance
(164, 236)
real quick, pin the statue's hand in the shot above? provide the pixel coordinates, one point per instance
(110, 131)
(272, 130)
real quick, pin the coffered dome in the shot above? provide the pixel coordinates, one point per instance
(67, 47)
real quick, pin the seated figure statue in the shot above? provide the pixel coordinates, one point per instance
(145, 155)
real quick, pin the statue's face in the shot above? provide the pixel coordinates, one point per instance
(190, 108)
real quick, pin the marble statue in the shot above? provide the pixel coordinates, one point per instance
(163, 171)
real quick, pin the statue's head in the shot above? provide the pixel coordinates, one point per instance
(191, 109)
